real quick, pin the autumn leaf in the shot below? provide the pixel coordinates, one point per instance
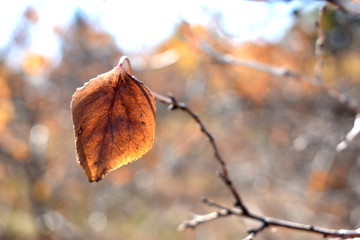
(114, 122)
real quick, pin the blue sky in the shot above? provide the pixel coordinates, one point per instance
(147, 23)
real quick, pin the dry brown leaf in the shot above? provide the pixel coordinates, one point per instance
(114, 122)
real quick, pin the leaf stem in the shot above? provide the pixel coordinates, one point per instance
(126, 59)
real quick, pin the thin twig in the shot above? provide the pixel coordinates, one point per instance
(199, 219)
(224, 175)
(240, 209)
(266, 222)
(280, 72)
(228, 59)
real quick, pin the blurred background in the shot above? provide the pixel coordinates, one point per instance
(277, 135)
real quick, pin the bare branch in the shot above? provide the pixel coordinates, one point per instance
(228, 59)
(174, 104)
(266, 222)
(240, 209)
(199, 219)
(280, 72)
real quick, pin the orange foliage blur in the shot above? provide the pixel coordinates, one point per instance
(34, 64)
